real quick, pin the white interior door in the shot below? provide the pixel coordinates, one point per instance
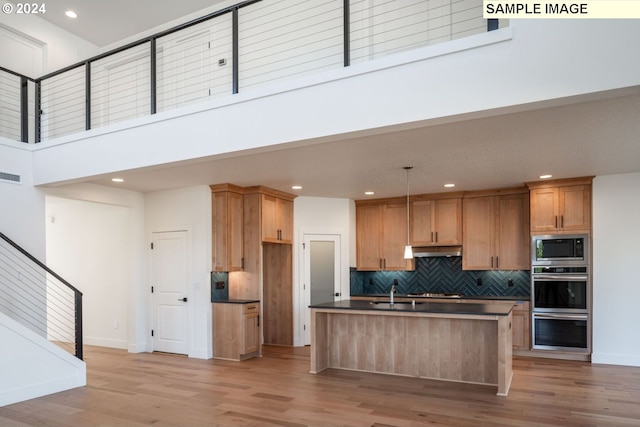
(321, 273)
(170, 275)
(185, 71)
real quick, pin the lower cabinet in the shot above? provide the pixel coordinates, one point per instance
(236, 329)
(521, 326)
(520, 315)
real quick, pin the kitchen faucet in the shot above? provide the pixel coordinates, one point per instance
(393, 290)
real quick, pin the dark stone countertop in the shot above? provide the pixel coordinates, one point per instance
(472, 297)
(420, 307)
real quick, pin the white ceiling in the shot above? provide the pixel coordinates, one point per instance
(581, 137)
(595, 137)
(103, 22)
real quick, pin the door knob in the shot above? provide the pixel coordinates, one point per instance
(183, 299)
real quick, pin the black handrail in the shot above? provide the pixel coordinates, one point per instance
(492, 24)
(24, 103)
(152, 41)
(77, 294)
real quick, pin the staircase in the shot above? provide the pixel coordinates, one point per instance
(40, 328)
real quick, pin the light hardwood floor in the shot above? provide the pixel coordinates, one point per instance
(277, 390)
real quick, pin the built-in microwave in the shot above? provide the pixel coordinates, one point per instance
(565, 249)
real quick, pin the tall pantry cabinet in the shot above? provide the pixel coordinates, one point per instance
(268, 261)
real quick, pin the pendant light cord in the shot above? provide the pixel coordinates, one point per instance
(408, 168)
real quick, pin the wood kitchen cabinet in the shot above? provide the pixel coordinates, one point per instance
(496, 231)
(268, 265)
(520, 322)
(521, 326)
(381, 235)
(277, 219)
(561, 206)
(227, 227)
(436, 222)
(236, 329)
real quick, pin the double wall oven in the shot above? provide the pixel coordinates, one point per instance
(560, 293)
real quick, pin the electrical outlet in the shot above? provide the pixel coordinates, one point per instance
(479, 281)
(510, 282)
(115, 324)
(220, 285)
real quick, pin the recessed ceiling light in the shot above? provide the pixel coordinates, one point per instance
(71, 14)
(296, 187)
(449, 185)
(545, 176)
(117, 179)
(369, 193)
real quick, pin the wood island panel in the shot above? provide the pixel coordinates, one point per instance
(452, 347)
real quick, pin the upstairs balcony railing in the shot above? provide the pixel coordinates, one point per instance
(248, 45)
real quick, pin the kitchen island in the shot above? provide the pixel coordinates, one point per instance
(468, 343)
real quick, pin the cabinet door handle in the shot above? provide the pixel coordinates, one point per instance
(561, 221)
(497, 262)
(556, 226)
(432, 237)
(491, 262)
(258, 320)
(436, 237)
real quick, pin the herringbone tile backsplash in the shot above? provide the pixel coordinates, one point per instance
(442, 275)
(219, 294)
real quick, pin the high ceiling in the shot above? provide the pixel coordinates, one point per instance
(598, 135)
(595, 137)
(104, 22)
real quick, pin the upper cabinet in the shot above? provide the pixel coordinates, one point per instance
(277, 219)
(561, 206)
(227, 227)
(381, 234)
(436, 222)
(496, 231)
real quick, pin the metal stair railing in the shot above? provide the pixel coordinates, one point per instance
(39, 299)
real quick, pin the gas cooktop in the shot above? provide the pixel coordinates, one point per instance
(434, 295)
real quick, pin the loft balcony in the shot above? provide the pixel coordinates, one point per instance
(239, 49)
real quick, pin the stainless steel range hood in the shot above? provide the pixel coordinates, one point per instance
(437, 251)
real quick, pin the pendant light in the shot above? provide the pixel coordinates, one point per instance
(408, 251)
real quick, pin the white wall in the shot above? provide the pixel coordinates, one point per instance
(616, 283)
(61, 47)
(189, 209)
(85, 243)
(535, 61)
(21, 205)
(96, 241)
(319, 215)
(33, 367)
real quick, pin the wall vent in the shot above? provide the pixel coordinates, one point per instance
(4, 176)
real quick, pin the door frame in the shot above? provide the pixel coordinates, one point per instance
(336, 238)
(189, 291)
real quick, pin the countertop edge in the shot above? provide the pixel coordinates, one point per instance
(235, 301)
